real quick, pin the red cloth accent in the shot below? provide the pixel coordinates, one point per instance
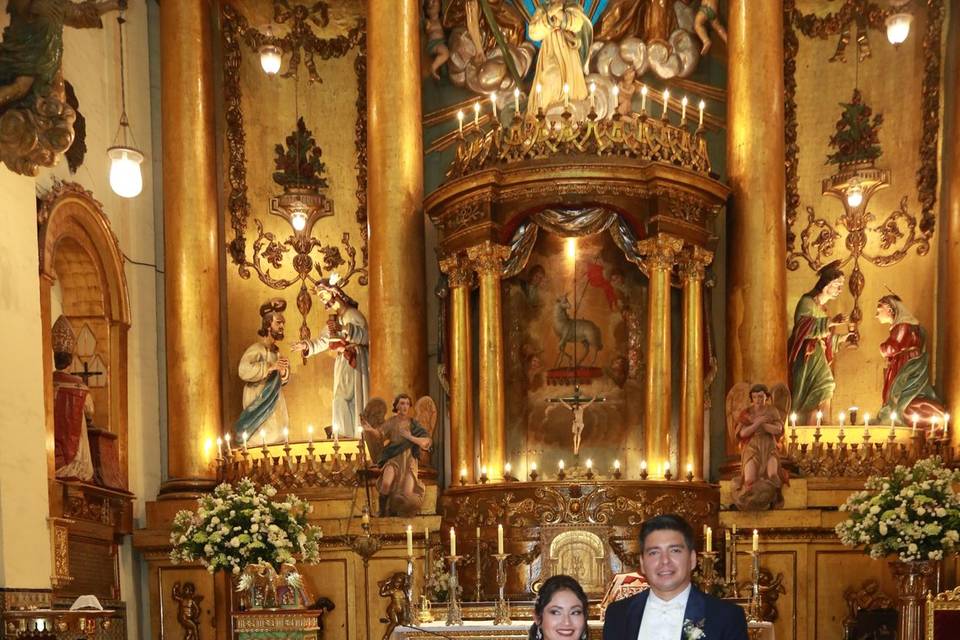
(904, 344)
(348, 351)
(68, 400)
(596, 278)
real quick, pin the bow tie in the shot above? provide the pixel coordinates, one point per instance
(665, 607)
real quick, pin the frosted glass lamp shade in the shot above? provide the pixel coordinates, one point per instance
(898, 27)
(126, 180)
(270, 59)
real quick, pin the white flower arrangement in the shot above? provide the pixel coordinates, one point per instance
(913, 514)
(235, 527)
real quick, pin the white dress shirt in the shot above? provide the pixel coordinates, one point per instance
(663, 619)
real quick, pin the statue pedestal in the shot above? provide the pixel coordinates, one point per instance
(278, 624)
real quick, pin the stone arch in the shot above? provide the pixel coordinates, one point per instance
(78, 250)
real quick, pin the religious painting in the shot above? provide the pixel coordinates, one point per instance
(574, 322)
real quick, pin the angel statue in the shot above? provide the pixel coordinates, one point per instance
(396, 444)
(565, 34)
(756, 418)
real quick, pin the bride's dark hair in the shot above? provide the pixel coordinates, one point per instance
(549, 588)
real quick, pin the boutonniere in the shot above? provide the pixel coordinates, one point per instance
(693, 630)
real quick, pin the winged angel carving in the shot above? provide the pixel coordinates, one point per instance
(490, 45)
(756, 417)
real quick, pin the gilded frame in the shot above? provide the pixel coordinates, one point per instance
(945, 601)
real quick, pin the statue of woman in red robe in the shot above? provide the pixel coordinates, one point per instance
(906, 378)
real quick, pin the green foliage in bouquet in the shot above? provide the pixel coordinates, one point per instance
(236, 527)
(913, 514)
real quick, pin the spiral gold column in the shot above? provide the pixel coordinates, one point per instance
(692, 265)
(756, 342)
(660, 253)
(950, 252)
(397, 318)
(460, 276)
(487, 259)
(191, 245)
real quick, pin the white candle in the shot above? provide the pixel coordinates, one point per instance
(793, 420)
(756, 540)
(643, 98)
(507, 468)
(866, 421)
(286, 435)
(310, 433)
(913, 432)
(476, 114)
(365, 518)
(336, 433)
(843, 419)
(683, 110)
(616, 93)
(666, 468)
(893, 419)
(560, 464)
(460, 121)
(616, 465)
(263, 437)
(219, 446)
(593, 91)
(516, 100)
(589, 463)
(409, 540)
(426, 536)
(483, 470)
(702, 106)
(666, 102)
(539, 91)
(819, 418)
(463, 473)
(453, 542)
(533, 466)
(709, 539)
(566, 94)
(226, 439)
(500, 539)
(493, 103)
(643, 465)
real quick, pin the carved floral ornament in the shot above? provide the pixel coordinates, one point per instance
(299, 169)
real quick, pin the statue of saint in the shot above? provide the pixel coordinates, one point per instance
(813, 343)
(347, 337)
(758, 428)
(396, 444)
(264, 372)
(565, 34)
(72, 409)
(906, 377)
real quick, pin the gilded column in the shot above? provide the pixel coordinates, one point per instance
(488, 260)
(398, 321)
(950, 252)
(692, 265)
(191, 245)
(756, 342)
(660, 253)
(460, 277)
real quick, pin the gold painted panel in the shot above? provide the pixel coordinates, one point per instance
(332, 578)
(196, 603)
(892, 83)
(835, 571)
(270, 107)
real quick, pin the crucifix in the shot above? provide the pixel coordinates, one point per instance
(577, 403)
(86, 374)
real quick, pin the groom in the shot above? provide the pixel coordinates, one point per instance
(672, 608)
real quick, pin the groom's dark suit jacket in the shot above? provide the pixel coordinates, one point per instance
(721, 620)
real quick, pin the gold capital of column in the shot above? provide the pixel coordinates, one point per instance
(487, 259)
(460, 276)
(692, 266)
(660, 253)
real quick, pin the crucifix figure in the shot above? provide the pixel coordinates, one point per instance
(577, 404)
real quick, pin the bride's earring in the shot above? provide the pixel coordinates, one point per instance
(539, 633)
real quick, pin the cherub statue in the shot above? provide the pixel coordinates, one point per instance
(396, 444)
(398, 605)
(756, 417)
(188, 609)
(436, 39)
(707, 14)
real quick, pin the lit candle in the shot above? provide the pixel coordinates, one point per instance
(460, 121)
(566, 94)
(843, 419)
(286, 435)
(219, 447)
(507, 468)
(709, 540)
(483, 470)
(666, 468)
(893, 419)
(493, 103)
(539, 91)
(643, 98)
(365, 518)
(666, 102)
(533, 466)
(516, 99)
(793, 420)
(409, 540)
(866, 421)
(426, 536)
(478, 533)
(593, 91)
(310, 433)
(819, 418)
(226, 439)
(616, 95)
(336, 433)
(560, 464)
(616, 465)
(476, 114)
(589, 463)
(500, 539)
(244, 435)
(702, 106)
(463, 474)
(643, 465)
(683, 110)
(913, 432)
(453, 542)
(756, 540)
(689, 468)
(263, 438)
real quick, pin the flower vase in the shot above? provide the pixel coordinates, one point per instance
(914, 580)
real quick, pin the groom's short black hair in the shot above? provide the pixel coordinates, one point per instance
(667, 522)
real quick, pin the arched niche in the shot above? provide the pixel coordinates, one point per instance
(81, 259)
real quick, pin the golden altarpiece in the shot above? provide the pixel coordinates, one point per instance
(616, 246)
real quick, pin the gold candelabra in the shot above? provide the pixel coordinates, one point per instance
(755, 608)
(501, 609)
(454, 613)
(298, 465)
